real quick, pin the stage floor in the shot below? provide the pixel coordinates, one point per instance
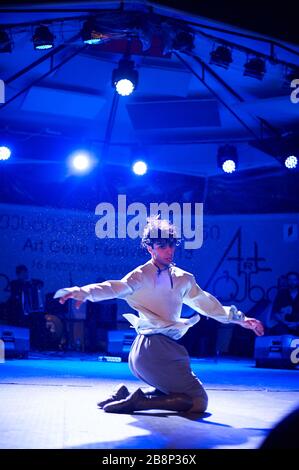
(49, 401)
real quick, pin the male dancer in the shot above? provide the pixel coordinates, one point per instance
(157, 290)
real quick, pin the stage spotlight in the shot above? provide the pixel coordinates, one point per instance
(183, 41)
(255, 68)
(5, 153)
(229, 166)
(43, 38)
(140, 168)
(81, 162)
(5, 42)
(125, 77)
(89, 33)
(221, 56)
(227, 158)
(291, 162)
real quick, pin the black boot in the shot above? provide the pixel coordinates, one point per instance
(138, 401)
(153, 392)
(121, 393)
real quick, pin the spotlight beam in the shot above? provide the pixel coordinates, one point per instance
(291, 162)
(5, 153)
(81, 162)
(139, 168)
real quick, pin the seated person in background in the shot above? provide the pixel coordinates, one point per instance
(25, 297)
(285, 310)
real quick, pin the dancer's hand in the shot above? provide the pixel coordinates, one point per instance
(254, 325)
(71, 293)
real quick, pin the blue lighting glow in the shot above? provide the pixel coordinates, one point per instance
(81, 161)
(291, 162)
(43, 38)
(44, 47)
(229, 166)
(140, 168)
(124, 87)
(92, 41)
(5, 153)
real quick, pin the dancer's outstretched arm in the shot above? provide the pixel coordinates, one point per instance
(206, 304)
(101, 291)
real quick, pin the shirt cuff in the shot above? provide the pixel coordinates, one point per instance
(235, 315)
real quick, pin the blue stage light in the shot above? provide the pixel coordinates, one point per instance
(255, 67)
(227, 158)
(90, 33)
(124, 87)
(43, 38)
(229, 166)
(81, 162)
(125, 77)
(5, 153)
(140, 168)
(291, 162)
(221, 56)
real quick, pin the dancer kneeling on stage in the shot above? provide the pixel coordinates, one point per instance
(157, 290)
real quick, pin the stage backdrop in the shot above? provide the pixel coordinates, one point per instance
(240, 260)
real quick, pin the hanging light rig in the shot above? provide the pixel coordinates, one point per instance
(227, 158)
(125, 76)
(90, 34)
(42, 38)
(5, 41)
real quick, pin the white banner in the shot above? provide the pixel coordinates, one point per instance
(240, 259)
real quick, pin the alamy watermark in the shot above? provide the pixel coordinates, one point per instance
(2, 92)
(295, 353)
(2, 351)
(294, 97)
(114, 223)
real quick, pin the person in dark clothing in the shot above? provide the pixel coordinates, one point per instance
(285, 310)
(25, 304)
(18, 289)
(24, 296)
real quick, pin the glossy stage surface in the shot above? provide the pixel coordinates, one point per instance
(49, 401)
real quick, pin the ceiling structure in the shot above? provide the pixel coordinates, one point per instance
(183, 107)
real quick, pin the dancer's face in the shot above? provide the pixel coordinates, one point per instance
(162, 254)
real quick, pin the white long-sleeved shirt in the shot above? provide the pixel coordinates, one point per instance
(158, 297)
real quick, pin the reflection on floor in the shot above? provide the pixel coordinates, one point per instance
(49, 401)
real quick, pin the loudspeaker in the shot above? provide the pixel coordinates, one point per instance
(276, 351)
(120, 342)
(16, 340)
